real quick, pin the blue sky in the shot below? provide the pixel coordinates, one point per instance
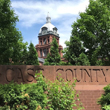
(32, 16)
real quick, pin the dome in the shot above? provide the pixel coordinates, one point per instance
(48, 28)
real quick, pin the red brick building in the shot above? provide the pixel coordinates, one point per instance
(47, 32)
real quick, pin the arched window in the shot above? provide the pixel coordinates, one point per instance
(55, 30)
(44, 30)
(44, 41)
(41, 42)
(48, 40)
(44, 52)
(40, 52)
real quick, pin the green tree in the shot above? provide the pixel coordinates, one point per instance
(32, 58)
(53, 58)
(82, 60)
(74, 51)
(105, 2)
(10, 37)
(24, 55)
(19, 53)
(93, 30)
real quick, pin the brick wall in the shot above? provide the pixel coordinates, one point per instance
(90, 79)
(89, 99)
(89, 95)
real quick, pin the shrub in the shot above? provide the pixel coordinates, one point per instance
(42, 95)
(24, 96)
(104, 100)
(106, 107)
(62, 95)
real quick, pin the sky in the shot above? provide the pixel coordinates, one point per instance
(32, 16)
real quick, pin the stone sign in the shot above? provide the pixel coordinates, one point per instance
(85, 75)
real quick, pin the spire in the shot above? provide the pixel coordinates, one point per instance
(48, 18)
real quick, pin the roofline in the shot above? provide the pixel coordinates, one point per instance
(48, 34)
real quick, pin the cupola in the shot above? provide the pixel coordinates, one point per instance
(48, 28)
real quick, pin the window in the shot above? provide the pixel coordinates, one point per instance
(44, 41)
(41, 52)
(41, 42)
(44, 30)
(48, 40)
(44, 52)
(55, 30)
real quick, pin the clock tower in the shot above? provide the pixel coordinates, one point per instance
(46, 34)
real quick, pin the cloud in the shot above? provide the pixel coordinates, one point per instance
(65, 28)
(63, 13)
(31, 12)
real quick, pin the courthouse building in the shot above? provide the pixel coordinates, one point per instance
(46, 34)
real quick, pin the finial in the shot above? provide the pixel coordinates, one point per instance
(48, 14)
(48, 18)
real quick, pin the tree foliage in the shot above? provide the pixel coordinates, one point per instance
(32, 58)
(104, 100)
(73, 50)
(43, 95)
(10, 38)
(19, 52)
(24, 55)
(93, 31)
(53, 58)
(82, 60)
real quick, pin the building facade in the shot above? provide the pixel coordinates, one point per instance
(46, 34)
